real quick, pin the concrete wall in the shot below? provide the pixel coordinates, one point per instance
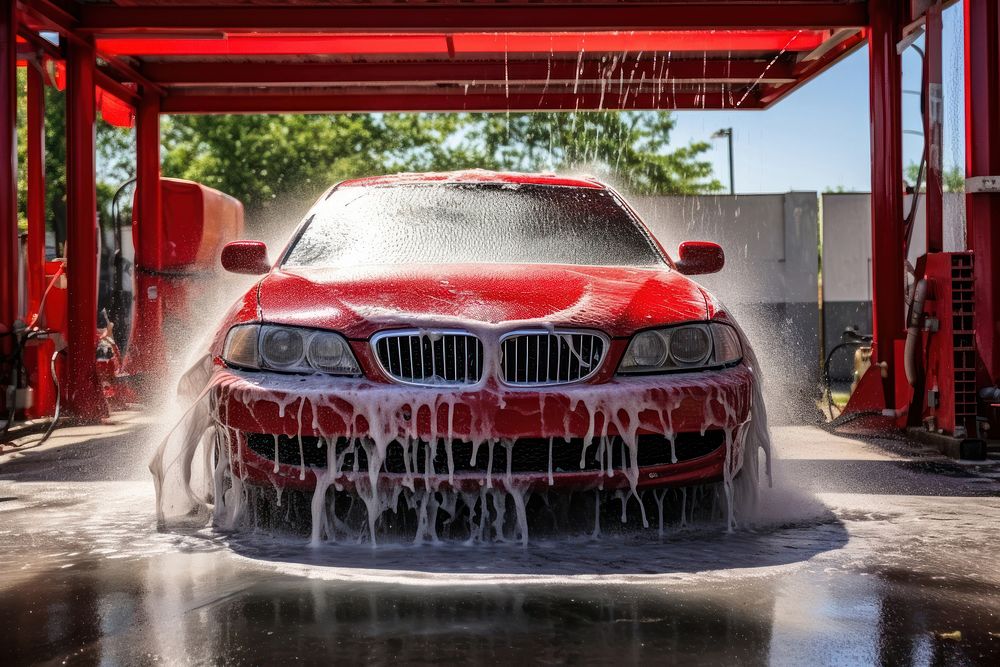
(847, 275)
(770, 278)
(769, 281)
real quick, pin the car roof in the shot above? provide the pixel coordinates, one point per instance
(476, 176)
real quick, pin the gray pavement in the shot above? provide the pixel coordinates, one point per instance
(864, 554)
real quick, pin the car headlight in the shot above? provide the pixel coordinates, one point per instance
(289, 349)
(681, 348)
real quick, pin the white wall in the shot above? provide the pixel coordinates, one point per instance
(847, 240)
(770, 241)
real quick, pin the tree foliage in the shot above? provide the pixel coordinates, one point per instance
(258, 158)
(115, 159)
(952, 178)
(265, 159)
(631, 148)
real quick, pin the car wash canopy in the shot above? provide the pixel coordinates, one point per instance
(137, 59)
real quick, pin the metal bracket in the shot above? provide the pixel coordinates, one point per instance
(982, 184)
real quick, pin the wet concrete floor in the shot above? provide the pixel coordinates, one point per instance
(865, 555)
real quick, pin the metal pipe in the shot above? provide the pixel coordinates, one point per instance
(732, 177)
(913, 331)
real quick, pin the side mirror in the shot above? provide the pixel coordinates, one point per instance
(698, 257)
(245, 257)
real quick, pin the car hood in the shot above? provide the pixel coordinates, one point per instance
(361, 301)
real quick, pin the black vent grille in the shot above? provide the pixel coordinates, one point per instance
(528, 455)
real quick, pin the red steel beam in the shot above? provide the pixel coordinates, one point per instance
(885, 90)
(37, 43)
(84, 399)
(337, 102)
(933, 126)
(566, 44)
(129, 73)
(105, 19)
(631, 69)
(8, 173)
(806, 71)
(48, 15)
(982, 159)
(36, 186)
(127, 95)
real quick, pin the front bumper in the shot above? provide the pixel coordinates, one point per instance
(274, 426)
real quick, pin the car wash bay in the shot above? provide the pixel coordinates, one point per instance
(92, 578)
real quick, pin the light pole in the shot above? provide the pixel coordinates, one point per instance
(727, 132)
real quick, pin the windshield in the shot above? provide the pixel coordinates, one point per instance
(471, 223)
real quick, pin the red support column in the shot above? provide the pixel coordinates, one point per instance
(84, 398)
(887, 183)
(982, 159)
(148, 177)
(37, 354)
(8, 171)
(36, 188)
(145, 351)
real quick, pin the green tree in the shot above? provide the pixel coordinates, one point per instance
(630, 148)
(115, 157)
(952, 179)
(259, 158)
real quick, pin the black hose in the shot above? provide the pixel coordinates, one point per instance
(910, 217)
(849, 338)
(55, 416)
(118, 273)
(16, 363)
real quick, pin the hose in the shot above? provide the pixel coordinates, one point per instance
(118, 272)
(913, 331)
(55, 415)
(45, 294)
(16, 363)
(849, 339)
(910, 217)
(990, 394)
(17, 357)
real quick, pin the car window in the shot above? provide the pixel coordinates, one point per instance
(458, 223)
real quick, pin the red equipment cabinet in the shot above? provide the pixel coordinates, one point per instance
(197, 222)
(38, 352)
(949, 339)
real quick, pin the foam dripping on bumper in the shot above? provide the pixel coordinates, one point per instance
(193, 466)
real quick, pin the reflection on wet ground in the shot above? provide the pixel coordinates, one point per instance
(886, 564)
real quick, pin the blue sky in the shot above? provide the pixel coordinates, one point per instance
(818, 137)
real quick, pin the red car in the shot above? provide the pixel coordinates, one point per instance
(477, 330)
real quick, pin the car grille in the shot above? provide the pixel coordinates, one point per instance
(527, 455)
(430, 357)
(545, 358)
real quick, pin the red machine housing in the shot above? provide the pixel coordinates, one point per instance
(170, 268)
(949, 345)
(38, 352)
